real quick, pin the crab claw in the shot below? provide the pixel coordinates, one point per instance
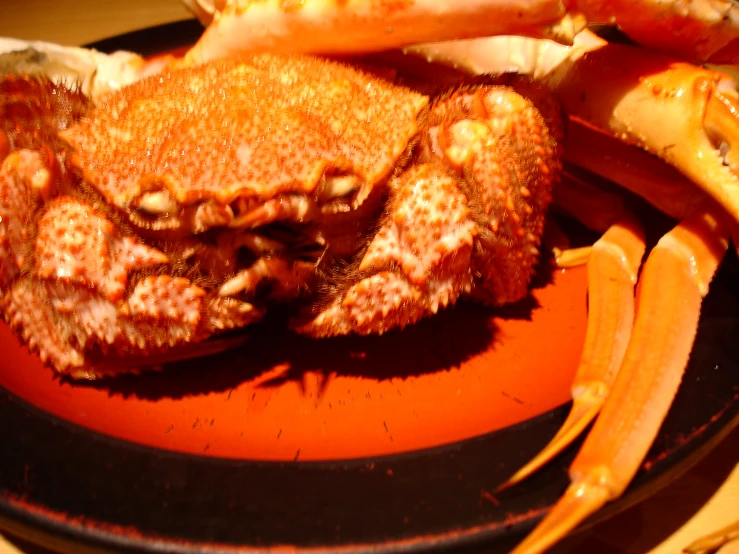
(686, 115)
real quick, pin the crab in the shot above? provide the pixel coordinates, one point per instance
(158, 220)
(192, 201)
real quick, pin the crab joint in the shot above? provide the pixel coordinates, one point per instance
(29, 166)
(462, 140)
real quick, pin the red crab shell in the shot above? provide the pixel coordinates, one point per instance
(254, 127)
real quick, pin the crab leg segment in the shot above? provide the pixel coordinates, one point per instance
(327, 26)
(692, 29)
(632, 168)
(613, 266)
(673, 283)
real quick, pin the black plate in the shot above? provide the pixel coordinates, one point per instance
(77, 490)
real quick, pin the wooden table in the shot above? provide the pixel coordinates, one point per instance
(704, 499)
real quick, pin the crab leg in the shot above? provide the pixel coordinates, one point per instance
(613, 266)
(673, 283)
(326, 27)
(632, 168)
(696, 30)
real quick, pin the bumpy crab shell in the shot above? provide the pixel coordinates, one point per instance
(197, 149)
(189, 203)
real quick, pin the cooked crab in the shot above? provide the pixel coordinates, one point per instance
(189, 203)
(450, 203)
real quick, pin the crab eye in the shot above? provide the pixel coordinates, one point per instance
(157, 203)
(335, 187)
(341, 191)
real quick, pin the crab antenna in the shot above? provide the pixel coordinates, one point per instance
(673, 283)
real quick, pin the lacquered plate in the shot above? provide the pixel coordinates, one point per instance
(363, 444)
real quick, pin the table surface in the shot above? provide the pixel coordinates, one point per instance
(702, 500)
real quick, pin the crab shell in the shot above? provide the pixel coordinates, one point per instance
(197, 149)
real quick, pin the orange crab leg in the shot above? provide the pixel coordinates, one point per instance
(613, 267)
(632, 168)
(329, 27)
(673, 283)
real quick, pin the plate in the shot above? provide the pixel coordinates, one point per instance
(379, 444)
